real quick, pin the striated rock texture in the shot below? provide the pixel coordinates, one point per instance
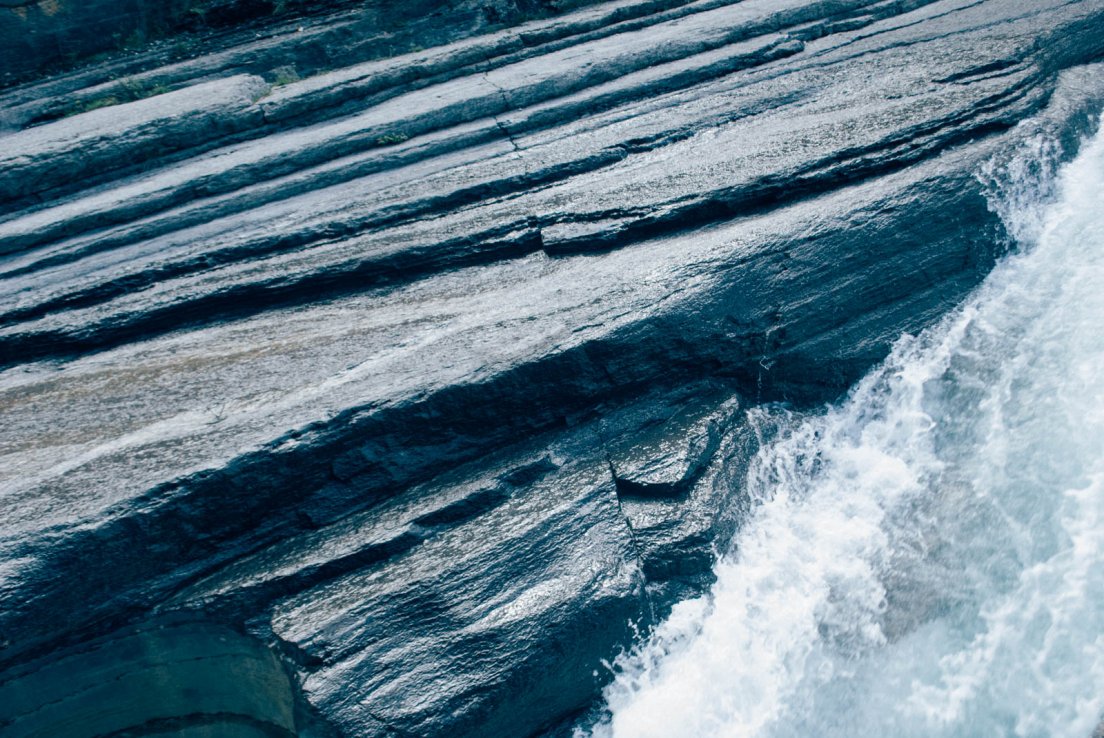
(428, 375)
(41, 35)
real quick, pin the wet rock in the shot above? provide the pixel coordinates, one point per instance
(423, 370)
(678, 461)
(490, 628)
(485, 602)
(669, 448)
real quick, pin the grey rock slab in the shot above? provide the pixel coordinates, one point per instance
(335, 205)
(551, 268)
(67, 151)
(525, 552)
(494, 91)
(815, 137)
(335, 87)
(147, 193)
(145, 207)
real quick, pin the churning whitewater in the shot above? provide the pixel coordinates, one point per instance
(926, 558)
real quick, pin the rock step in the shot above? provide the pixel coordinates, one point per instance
(313, 95)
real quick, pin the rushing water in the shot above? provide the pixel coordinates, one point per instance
(926, 558)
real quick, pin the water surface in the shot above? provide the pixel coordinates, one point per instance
(927, 557)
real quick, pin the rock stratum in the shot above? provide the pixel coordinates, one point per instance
(355, 392)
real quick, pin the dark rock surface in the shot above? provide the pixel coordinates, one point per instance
(38, 35)
(174, 676)
(431, 372)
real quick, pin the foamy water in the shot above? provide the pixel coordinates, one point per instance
(926, 558)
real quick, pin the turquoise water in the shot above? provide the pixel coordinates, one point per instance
(927, 557)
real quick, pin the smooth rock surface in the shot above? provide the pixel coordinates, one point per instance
(430, 372)
(169, 676)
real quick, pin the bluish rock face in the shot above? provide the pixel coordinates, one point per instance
(174, 675)
(425, 375)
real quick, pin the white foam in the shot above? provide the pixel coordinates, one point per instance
(927, 558)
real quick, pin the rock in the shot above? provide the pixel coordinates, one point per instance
(77, 150)
(671, 449)
(678, 461)
(173, 675)
(437, 385)
(482, 603)
(36, 35)
(488, 629)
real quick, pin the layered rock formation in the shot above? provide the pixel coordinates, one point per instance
(41, 35)
(431, 373)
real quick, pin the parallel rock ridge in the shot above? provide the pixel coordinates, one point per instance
(430, 373)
